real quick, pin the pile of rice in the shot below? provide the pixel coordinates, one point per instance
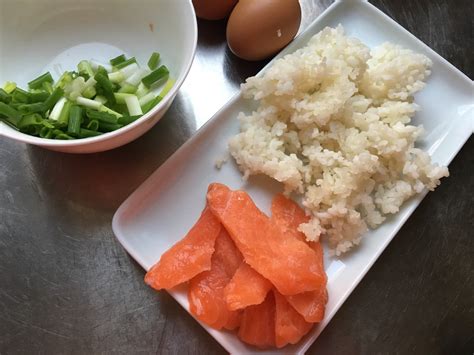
(333, 124)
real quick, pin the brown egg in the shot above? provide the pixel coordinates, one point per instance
(259, 28)
(213, 9)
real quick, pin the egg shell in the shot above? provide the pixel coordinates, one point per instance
(213, 9)
(258, 29)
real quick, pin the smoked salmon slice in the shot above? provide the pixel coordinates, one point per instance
(247, 287)
(288, 216)
(290, 326)
(206, 290)
(311, 305)
(258, 324)
(289, 264)
(187, 258)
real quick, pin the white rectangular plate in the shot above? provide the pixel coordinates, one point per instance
(162, 210)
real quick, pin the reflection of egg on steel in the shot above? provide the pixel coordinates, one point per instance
(213, 9)
(259, 28)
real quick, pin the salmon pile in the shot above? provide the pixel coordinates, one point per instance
(246, 271)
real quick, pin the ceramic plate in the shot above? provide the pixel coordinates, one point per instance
(165, 206)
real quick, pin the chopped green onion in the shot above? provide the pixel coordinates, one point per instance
(89, 93)
(93, 125)
(117, 60)
(75, 120)
(9, 87)
(142, 90)
(87, 133)
(101, 116)
(20, 95)
(63, 118)
(136, 77)
(96, 64)
(64, 79)
(120, 97)
(125, 120)
(11, 115)
(169, 84)
(46, 132)
(125, 63)
(108, 90)
(129, 70)
(38, 96)
(39, 81)
(32, 108)
(116, 77)
(33, 120)
(53, 98)
(108, 127)
(155, 76)
(108, 110)
(147, 107)
(127, 88)
(100, 99)
(88, 103)
(63, 136)
(85, 67)
(153, 61)
(146, 99)
(4, 97)
(48, 87)
(57, 109)
(133, 105)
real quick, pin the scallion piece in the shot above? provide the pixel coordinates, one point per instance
(85, 67)
(9, 87)
(4, 97)
(89, 92)
(93, 125)
(107, 87)
(63, 136)
(11, 115)
(125, 120)
(96, 64)
(147, 107)
(120, 97)
(88, 103)
(57, 109)
(101, 116)
(53, 98)
(75, 120)
(129, 70)
(46, 132)
(125, 63)
(153, 61)
(40, 96)
(48, 87)
(108, 127)
(101, 99)
(87, 133)
(32, 108)
(133, 105)
(168, 86)
(142, 90)
(63, 118)
(127, 88)
(39, 81)
(117, 60)
(116, 77)
(155, 76)
(20, 95)
(109, 110)
(146, 99)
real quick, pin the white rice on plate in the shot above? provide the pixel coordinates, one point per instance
(333, 124)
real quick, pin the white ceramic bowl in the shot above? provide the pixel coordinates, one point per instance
(41, 35)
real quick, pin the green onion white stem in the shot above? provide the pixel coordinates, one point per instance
(133, 105)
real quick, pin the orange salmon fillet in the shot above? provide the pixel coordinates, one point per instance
(290, 326)
(288, 216)
(187, 258)
(258, 324)
(206, 290)
(289, 264)
(246, 288)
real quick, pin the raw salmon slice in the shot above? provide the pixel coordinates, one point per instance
(288, 216)
(290, 326)
(246, 288)
(187, 258)
(311, 305)
(206, 290)
(289, 264)
(258, 324)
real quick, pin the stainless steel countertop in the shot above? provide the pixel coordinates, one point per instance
(67, 286)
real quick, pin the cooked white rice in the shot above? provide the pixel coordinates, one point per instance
(332, 124)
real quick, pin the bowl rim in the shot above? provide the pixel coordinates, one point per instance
(9, 132)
